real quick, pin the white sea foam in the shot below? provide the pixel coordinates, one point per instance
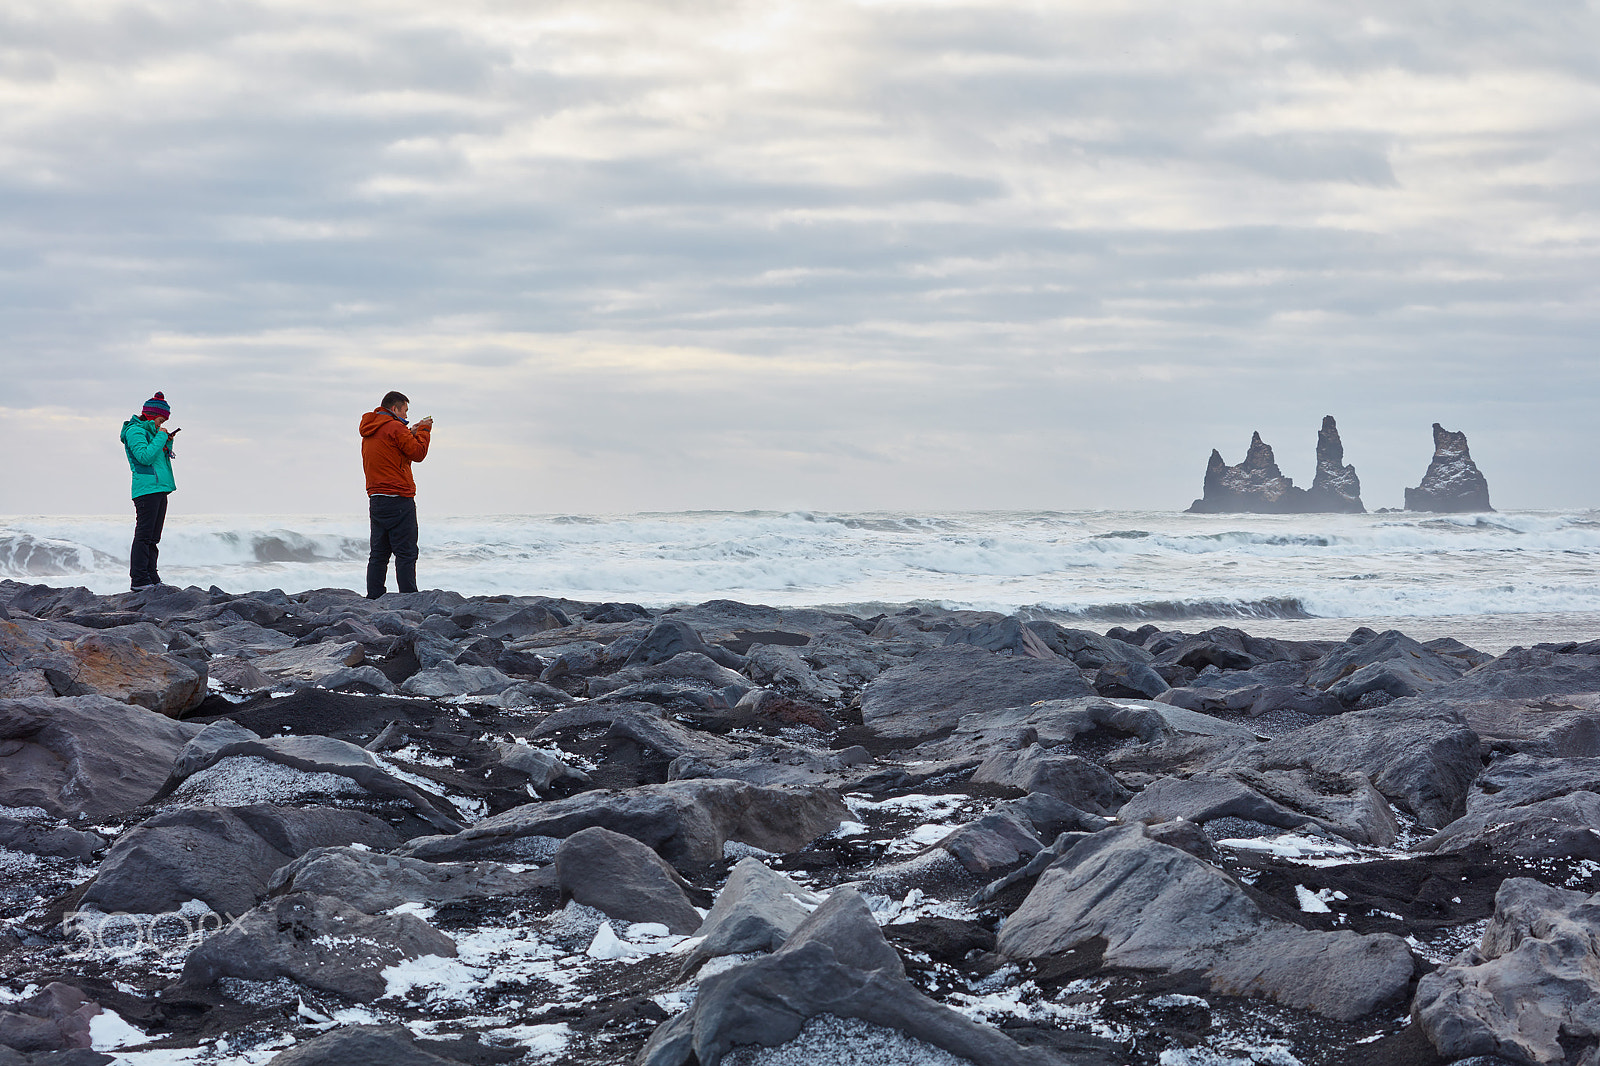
(1102, 566)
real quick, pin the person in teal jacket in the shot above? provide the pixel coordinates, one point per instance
(149, 448)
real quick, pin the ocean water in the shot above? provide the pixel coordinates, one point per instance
(1497, 579)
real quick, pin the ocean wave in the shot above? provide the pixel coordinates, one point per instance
(24, 556)
(1174, 610)
(1111, 566)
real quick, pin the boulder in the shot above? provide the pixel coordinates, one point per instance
(372, 1045)
(372, 882)
(55, 1019)
(1344, 804)
(1070, 778)
(835, 964)
(1134, 680)
(103, 664)
(1199, 652)
(776, 761)
(448, 679)
(624, 879)
(930, 694)
(311, 663)
(1518, 780)
(525, 623)
(1008, 636)
(244, 640)
(1254, 486)
(1159, 908)
(521, 695)
(41, 838)
(1390, 662)
(1530, 807)
(1530, 991)
(686, 667)
(1561, 726)
(84, 755)
(783, 666)
(310, 755)
(1562, 827)
(367, 679)
(1089, 650)
(1049, 816)
(686, 822)
(1335, 487)
(223, 856)
(1453, 483)
(646, 726)
(318, 941)
(1523, 673)
(756, 910)
(1059, 725)
(670, 637)
(1253, 700)
(544, 769)
(993, 842)
(238, 674)
(1421, 760)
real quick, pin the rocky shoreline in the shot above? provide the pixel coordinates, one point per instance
(307, 829)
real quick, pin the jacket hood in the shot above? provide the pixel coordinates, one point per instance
(375, 420)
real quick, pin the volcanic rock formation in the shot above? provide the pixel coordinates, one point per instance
(1257, 486)
(1254, 486)
(1453, 482)
(1336, 487)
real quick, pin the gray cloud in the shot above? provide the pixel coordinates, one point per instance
(830, 255)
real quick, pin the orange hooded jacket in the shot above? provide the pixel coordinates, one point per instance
(388, 448)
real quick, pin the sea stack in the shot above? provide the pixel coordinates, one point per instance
(1453, 482)
(1336, 487)
(1254, 486)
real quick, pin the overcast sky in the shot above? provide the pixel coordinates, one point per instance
(675, 255)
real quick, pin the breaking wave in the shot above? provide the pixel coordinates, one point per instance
(1111, 567)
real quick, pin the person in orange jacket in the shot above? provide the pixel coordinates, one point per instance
(389, 445)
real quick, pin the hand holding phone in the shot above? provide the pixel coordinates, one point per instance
(427, 422)
(174, 432)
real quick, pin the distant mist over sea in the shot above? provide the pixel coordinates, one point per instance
(1529, 574)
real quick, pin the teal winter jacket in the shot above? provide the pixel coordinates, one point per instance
(149, 457)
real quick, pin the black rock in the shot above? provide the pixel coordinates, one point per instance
(372, 882)
(1254, 486)
(1391, 662)
(318, 941)
(835, 963)
(1159, 908)
(1527, 989)
(686, 822)
(1336, 487)
(388, 1045)
(930, 694)
(755, 911)
(670, 637)
(625, 879)
(1453, 482)
(222, 856)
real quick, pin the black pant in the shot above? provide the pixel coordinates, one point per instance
(150, 515)
(394, 531)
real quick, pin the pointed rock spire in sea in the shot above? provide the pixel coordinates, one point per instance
(1453, 483)
(1336, 487)
(1257, 486)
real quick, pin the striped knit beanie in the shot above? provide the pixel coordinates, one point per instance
(156, 407)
